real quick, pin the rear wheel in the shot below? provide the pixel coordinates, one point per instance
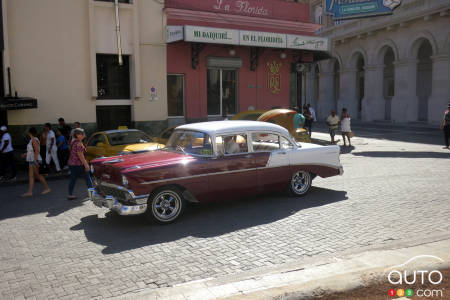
(300, 183)
(165, 205)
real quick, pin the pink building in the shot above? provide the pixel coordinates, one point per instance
(228, 56)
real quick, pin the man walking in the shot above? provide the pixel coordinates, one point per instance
(333, 122)
(445, 126)
(6, 155)
(313, 116)
(64, 128)
(51, 149)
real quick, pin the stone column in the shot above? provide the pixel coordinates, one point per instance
(347, 97)
(440, 89)
(373, 103)
(326, 101)
(405, 101)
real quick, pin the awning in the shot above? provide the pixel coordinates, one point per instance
(9, 103)
(214, 35)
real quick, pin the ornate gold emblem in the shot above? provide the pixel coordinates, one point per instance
(274, 77)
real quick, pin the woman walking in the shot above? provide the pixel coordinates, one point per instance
(77, 162)
(34, 159)
(345, 126)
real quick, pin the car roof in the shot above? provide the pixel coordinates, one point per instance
(218, 127)
(119, 130)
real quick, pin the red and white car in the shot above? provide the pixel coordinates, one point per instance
(210, 161)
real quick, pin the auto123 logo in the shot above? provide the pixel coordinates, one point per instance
(400, 276)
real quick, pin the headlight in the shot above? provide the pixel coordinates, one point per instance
(124, 181)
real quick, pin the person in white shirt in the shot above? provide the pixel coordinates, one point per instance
(333, 124)
(345, 126)
(230, 145)
(313, 112)
(51, 148)
(6, 155)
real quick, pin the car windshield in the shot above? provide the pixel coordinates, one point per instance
(190, 142)
(128, 137)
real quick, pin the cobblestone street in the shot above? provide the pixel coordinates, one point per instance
(395, 187)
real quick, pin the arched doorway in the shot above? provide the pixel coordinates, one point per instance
(336, 83)
(424, 78)
(388, 81)
(359, 83)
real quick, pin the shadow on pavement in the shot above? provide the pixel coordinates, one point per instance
(119, 233)
(347, 149)
(403, 154)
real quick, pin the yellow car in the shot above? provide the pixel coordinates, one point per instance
(164, 136)
(249, 115)
(119, 142)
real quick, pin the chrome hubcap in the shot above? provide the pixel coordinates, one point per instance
(166, 205)
(300, 182)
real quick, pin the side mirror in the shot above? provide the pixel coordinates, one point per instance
(100, 144)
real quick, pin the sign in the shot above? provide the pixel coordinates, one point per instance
(274, 77)
(174, 34)
(153, 94)
(17, 103)
(347, 9)
(307, 42)
(262, 39)
(211, 35)
(254, 38)
(268, 9)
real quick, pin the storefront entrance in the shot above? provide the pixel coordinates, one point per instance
(222, 92)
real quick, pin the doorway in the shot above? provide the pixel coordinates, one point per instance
(360, 80)
(424, 78)
(221, 92)
(110, 117)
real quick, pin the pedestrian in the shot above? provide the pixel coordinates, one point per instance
(75, 126)
(445, 126)
(51, 149)
(77, 162)
(64, 128)
(34, 159)
(63, 149)
(6, 155)
(345, 126)
(43, 169)
(313, 116)
(308, 119)
(333, 122)
(299, 121)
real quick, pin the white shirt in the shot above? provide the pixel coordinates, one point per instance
(50, 136)
(6, 137)
(333, 121)
(313, 114)
(345, 125)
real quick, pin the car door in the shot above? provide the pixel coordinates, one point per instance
(96, 146)
(272, 159)
(232, 172)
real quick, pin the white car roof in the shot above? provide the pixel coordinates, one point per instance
(219, 127)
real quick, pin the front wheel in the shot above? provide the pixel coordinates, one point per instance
(300, 183)
(165, 205)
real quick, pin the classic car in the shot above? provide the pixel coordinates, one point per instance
(121, 141)
(285, 118)
(249, 115)
(164, 136)
(207, 162)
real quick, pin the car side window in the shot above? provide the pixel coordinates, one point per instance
(232, 144)
(167, 134)
(263, 142)
(98, 138)
(285, 143)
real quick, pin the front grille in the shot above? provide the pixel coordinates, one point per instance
(120, 195)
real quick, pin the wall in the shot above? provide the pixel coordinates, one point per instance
(48, 52)
(252, 86)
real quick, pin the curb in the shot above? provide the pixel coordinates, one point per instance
(303, 279)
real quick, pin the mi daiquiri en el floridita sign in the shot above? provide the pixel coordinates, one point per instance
(214, 35)
(348, 9)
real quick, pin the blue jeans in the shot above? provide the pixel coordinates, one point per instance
(75, 172)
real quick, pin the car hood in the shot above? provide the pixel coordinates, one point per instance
(137, 147)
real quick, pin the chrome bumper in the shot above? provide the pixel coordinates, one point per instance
(114, 205)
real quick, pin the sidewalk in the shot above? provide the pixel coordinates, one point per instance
(313, 277)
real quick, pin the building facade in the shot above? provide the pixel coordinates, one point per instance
(394, 67)
(65, 54)
(180, 61)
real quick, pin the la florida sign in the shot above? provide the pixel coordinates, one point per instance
(348, 9)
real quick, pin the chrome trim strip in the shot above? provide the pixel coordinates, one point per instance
(228, 172)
